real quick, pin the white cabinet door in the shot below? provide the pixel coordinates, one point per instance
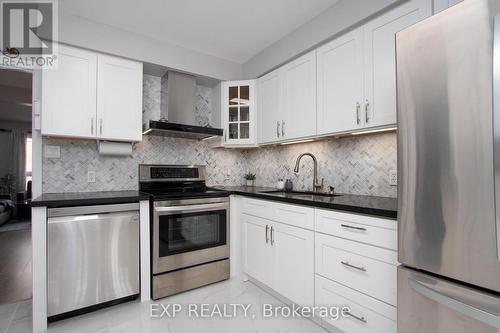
(270, 91)
(238, 113)
(299, 98)
(119, 99)
(379, 106)
(440, 5)
(69, 95)
(293, 263)
(256, 253)
(340, 83)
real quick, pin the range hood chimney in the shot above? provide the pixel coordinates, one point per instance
(177, 111)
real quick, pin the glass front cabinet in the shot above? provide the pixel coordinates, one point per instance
(239, 113)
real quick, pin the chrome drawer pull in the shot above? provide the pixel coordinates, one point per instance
(352, 227)
(346, 263)
(272, 235)
(361, 319)
(358, 120)
(267, 237)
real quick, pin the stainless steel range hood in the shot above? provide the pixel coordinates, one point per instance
(176, 117)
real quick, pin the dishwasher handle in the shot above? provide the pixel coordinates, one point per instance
(89, 210)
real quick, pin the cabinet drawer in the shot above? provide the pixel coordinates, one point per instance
(259, 208)
(368, 269)
(374, 316)
(370, 230)
(298, 216)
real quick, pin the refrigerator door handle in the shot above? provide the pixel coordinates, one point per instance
(439, 296)
(496, 124)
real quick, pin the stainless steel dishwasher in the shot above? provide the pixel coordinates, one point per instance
(92, 257)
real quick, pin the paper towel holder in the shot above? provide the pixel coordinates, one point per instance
(114, 148)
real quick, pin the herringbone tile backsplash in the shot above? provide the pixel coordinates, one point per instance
(357, 165)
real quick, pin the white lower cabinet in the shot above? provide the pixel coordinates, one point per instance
(365, 315)
(256, 253)
(368, 269)
(323, 258)
(292, 263)
(279, 255)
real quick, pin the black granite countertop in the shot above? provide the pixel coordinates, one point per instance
(53, 200)
(361, 204)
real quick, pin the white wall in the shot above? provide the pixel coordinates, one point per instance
(80, 32)
(335, 20)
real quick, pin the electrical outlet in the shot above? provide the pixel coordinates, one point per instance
(91, 177)
(53, 152)
(393, 178)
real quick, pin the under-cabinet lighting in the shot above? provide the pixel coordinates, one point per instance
(147, 131)
(294, 142)
(375, 131)
(209, 137)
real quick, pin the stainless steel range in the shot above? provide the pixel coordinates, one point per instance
(189, 228)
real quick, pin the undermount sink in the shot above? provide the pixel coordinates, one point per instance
(302, 193)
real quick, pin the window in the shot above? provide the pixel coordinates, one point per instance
(29, 163)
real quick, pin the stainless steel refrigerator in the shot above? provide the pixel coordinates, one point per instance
(448, 81)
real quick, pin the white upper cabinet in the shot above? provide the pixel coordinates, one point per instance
(91, 95)
(69, 95)
(119, 97)
(440, 5)
(357, 72)
(287, 101)
(269, 97)
(380, 60)
(239, 114)
(340, 83)
(299, 98)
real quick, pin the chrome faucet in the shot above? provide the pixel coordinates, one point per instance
(316, 186)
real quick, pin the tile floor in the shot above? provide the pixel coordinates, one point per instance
(134, 317)
(15, 317)
(15, 266)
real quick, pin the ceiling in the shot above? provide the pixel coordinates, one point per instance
(234, 30)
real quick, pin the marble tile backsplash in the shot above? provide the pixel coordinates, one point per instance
(69, 172)
(357, 165)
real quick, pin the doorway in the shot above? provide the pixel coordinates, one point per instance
(15, 185)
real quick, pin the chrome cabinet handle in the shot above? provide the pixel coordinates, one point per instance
(272, 235)
(367, 105)
(92, 125)
(352, 227)
(346, 263)
(358, 120)
(267, 238)
(100, 125)
(360, 318)
(278, 128)
(283, 128)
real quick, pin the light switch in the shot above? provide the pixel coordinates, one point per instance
(52, 152)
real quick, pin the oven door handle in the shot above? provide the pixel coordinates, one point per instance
(191, 208)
